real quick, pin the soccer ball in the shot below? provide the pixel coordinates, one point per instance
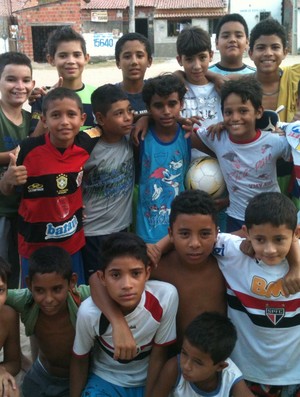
(204, 173)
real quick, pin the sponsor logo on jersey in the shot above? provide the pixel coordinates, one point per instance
(61, 183)
(35, 187)
(65, 230)
(275, 314)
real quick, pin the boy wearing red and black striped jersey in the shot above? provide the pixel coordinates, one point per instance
(50, 168)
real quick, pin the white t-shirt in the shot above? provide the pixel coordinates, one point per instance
(204, 101)
(228, 378)
(268, 323)
(248, 168)
(152, 322)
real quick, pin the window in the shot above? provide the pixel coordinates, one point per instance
(175, 27)
(264, 15)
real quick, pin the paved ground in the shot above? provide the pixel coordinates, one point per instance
(101, 73)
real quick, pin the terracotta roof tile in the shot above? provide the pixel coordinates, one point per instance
(175, 4)
(115, 4)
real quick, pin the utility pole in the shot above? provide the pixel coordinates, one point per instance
(131, 16)
(294, 28)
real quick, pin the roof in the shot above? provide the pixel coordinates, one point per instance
(115, 4)
(158, 4)
(183, 4)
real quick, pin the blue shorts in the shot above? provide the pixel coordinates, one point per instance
(39, 383)
(98, 387)
(77, 267)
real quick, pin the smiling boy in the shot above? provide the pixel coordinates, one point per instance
(50, 169)
(15, 86)
(48, 310)
(267, 349)
(247, 156)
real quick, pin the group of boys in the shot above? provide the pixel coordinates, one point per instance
(52, 232)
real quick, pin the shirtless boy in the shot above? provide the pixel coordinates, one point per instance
(48, 310)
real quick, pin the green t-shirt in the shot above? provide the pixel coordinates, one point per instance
(10, 137)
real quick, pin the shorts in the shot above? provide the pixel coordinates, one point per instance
(98, 387)
(91, 254)
(233, 224)
(77, 267)
(274, 391)
(39, 383)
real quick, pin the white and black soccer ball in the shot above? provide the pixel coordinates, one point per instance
(205, 174)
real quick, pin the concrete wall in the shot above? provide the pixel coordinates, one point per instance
(165, 46)
(250, 9)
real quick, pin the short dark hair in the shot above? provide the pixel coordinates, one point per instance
(192, 202)
(50, 259)
(247, 87)
(64, 33)
(132, 37)
(103, 97)
(271, 207)
(268, 27)
(232, 18)
(5, 270)
(60, 93)
(163, 85)
(123, 244)
(193, 40)
(212, 333)
(14, 58)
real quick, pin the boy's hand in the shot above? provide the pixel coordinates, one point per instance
(215, 130)
(247, 249)
(139, 130)
(154, 254)
(188, 124)
(38, 92)
(291, 281)
(221, 203)
(125, 347)
(7, 383)
(15, 174)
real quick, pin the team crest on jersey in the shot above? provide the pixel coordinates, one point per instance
(275, 314)
(35, 187)
(61, 183)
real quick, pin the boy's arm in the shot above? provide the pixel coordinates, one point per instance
(240, 389)
(158, 358)
(291, 281)
(167, 378)
(124, 344)
(79, 369)
(14, 176)
(11, 364)
(39, 129)
(197, 143)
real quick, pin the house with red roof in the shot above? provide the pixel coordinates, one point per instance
(159, 20)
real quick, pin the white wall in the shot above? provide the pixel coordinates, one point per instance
(250, 10)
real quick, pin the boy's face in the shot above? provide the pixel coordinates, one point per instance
(63, 120)
(3, 292)
(193, 236)
(15, 84)
(232, 41)
(69, 60)
(50, 291)
(117, 122)
(165, 110)
(268, 53)
(195, 66)
(134, 61)
(198, 367)
(271, 244)
(124, 279)
(240, 118)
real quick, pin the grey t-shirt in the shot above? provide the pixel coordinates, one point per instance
(108, 182)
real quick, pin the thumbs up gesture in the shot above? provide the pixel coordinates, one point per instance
(15, 175)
